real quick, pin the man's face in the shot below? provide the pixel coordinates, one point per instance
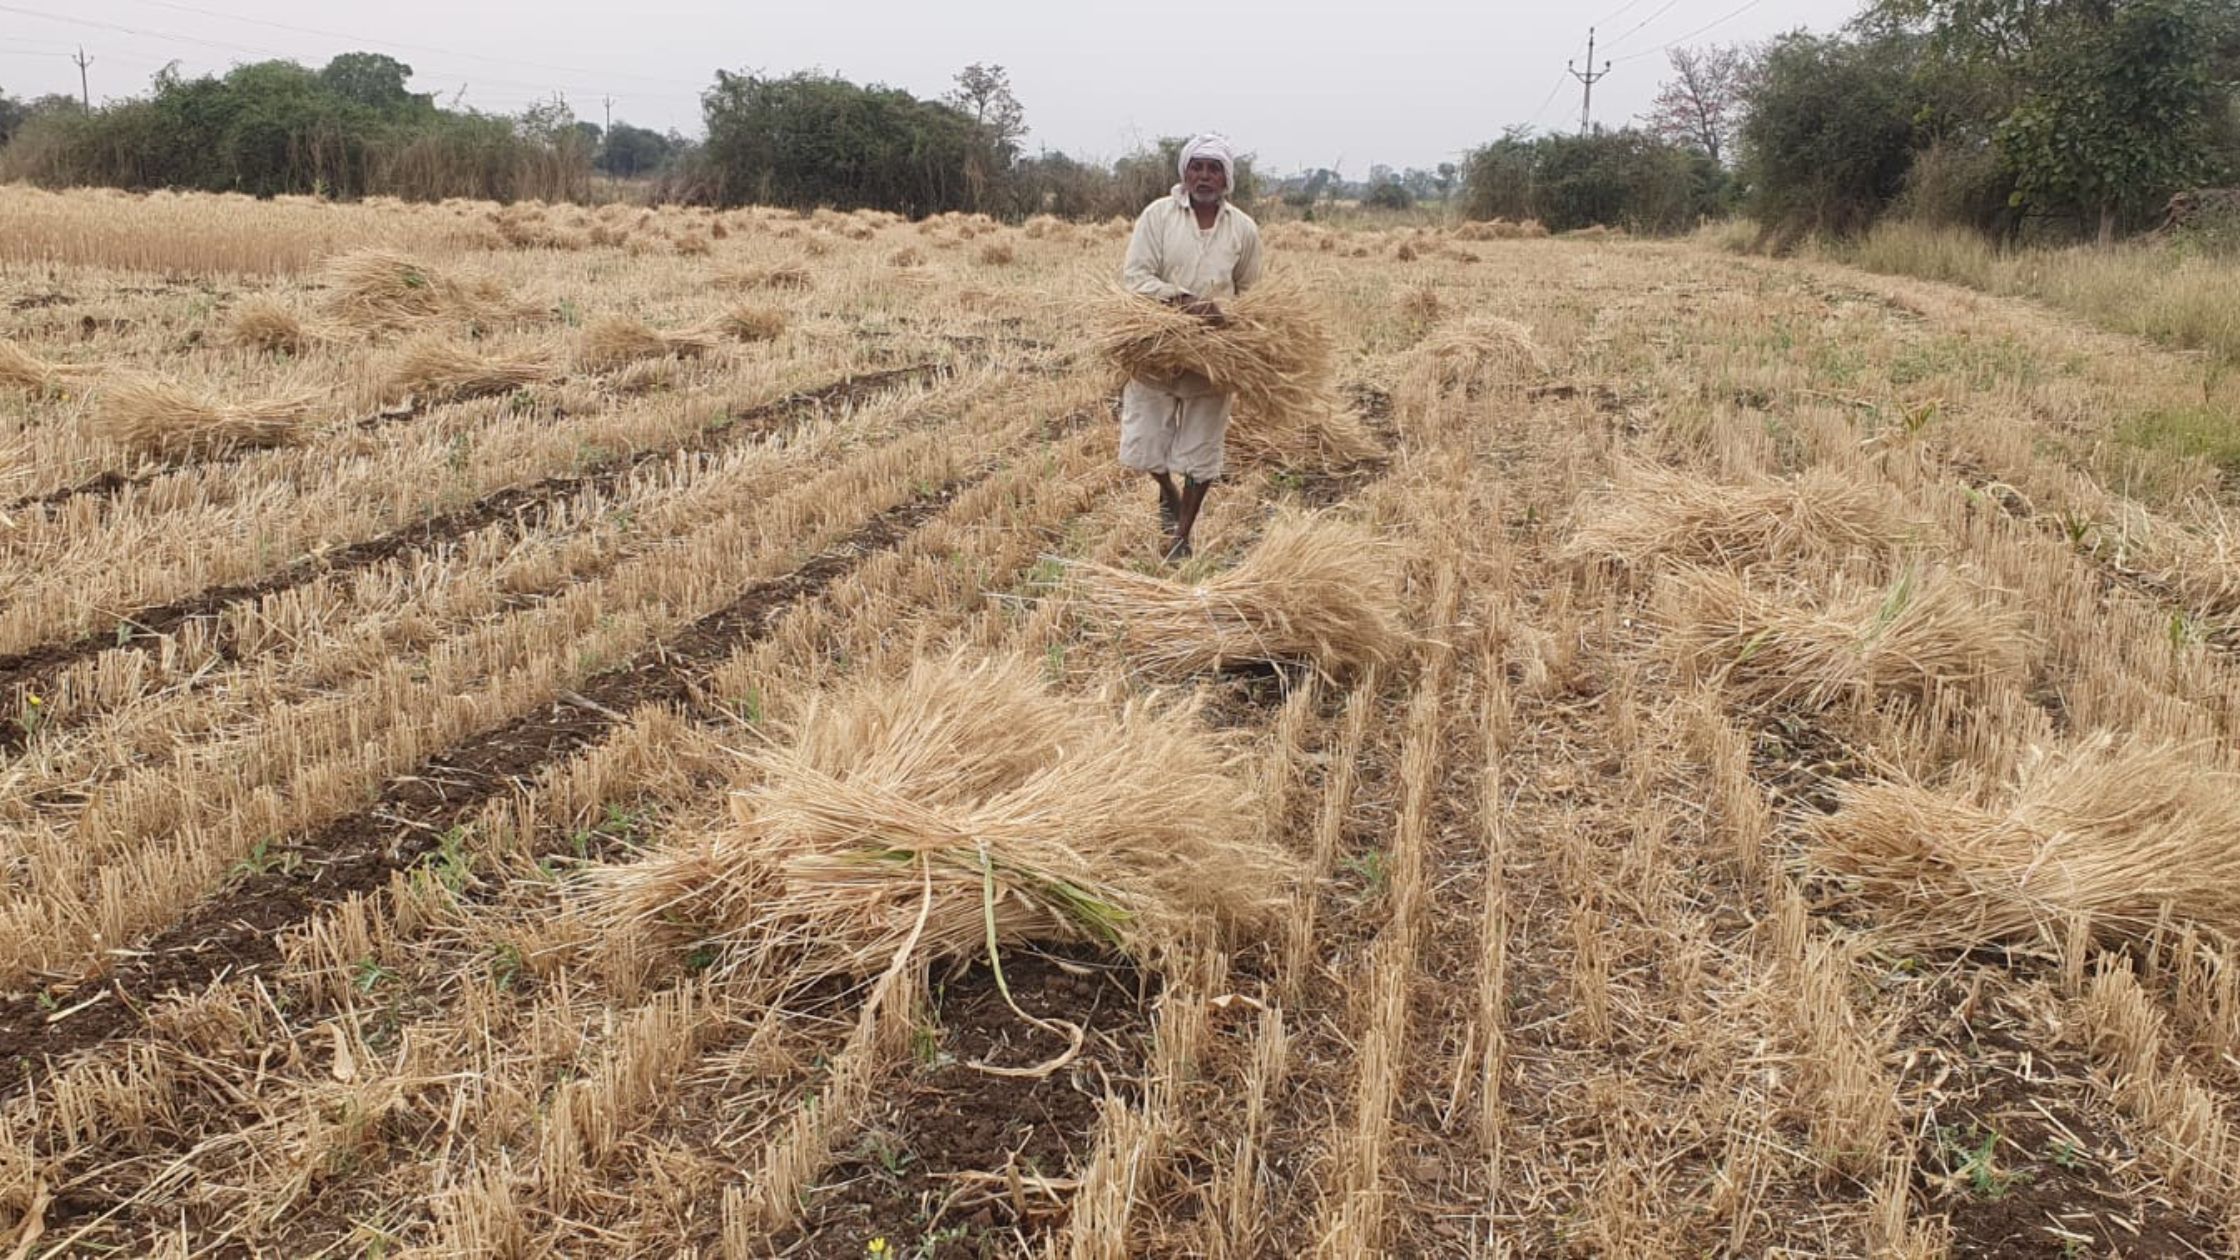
(1204, 181)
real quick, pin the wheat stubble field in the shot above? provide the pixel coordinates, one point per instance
(448, 656)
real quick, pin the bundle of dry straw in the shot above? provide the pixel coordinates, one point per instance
(1927, 635)
(973, 798)
(444, 370)
(1313, 591)
(612, 341)
(2117, 835)
(266, 323)
(21, 369)
(1483, 351)
(380, 289)
(1274, 352)
(155, 418)
(1652, 514)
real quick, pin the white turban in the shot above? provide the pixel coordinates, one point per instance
(1210, 145)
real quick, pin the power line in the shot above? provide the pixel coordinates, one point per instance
(1676, 42)
(1553, 88)
(1662, 9)
(392, 43)
(1616, 13)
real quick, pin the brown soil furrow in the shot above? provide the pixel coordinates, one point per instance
(236, 931)
(521, 509)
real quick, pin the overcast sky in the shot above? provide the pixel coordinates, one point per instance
(1403, 82)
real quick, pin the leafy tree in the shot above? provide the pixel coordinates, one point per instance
(632, 151)
(1829, 132)
(1390, 194)
(812, 139)
(12, 114)
(373, 80)
(984, 93)
(1701, 105)
(1627, 178)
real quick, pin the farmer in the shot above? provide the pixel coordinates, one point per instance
(1193, 250)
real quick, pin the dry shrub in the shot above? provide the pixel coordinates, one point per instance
(447, 370)
(1313, 591)
(612, 341)
(1651, 514)
(153, 417)
(998, 254)
(1926, 635)
(1274, 351)
(379, 289)
(958, 792)
(2120, 834)
(748, 323)
(789, 276)
(1484, 350)
(266, 323)
(21, 369)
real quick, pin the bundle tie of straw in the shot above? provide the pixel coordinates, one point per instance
(1065, 1028)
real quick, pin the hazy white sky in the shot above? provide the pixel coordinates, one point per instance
(1404, 82)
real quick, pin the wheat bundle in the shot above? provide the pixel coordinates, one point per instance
(748, 323)
(21, 369)
(155, 418)
(612, 341)
(1927, 635)
(1651, 514)
(1274, 350)
(998, 254)
(379, 289)
(2118, 834)
(437, 368)
(1316, 433)
(1483, 350)
(1313, 591)
(268, 324)
(970, 795)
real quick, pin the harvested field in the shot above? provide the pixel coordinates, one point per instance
(515, 747)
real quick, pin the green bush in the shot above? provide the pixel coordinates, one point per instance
(1626, 179)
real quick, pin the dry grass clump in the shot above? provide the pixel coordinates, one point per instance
(1043, 225)
(266, 323)
(907, 256)
(787, 276)
(1274, 351)
(613, 340)
(1484, 350)
(998, 254)
(1315, 434)
(21, 369)
(608, 234)
(693, 245)
(2118, 834)
(1926, 635)
(1421, 305)
(446, 370)
(748, 323)
(971, 800)
(1313, 591)
(1651, 514)
(152, 417)
(380, 289)
(1405, 252)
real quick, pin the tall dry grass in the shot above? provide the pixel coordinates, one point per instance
(2146, 289)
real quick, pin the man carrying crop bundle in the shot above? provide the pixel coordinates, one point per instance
(1193, 250)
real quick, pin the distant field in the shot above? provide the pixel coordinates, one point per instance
(1802, 818)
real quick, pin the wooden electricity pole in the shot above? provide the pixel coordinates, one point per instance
(1591, 77)
(85, 93)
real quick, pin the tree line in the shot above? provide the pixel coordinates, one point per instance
(2038, 119)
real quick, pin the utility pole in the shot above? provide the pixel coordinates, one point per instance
(1590, 78)
(85, 94)
(608, 125)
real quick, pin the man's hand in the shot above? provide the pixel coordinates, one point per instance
(1201, 308)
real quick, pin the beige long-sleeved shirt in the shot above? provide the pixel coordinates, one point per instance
(1169, 256)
